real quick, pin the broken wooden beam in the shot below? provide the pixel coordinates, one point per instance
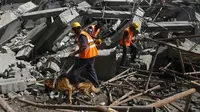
(192, 73)
(152, 66)
(5, 106)
(135, 96)
(119, 75)
(173, 98)
(90, 108)
(121, 98)
(195, 83)
(181, 56)
(187, 104)
(170, 71)
(143, 71)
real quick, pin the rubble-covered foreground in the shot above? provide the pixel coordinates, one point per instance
(36, 39)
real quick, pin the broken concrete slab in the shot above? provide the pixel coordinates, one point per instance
(25, 52)
(29, 6)
(43, 13)
(106, 13)
(170, 26)
(11, 23)
(64, 19)
(36, 33)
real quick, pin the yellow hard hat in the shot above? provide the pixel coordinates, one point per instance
(76, 24)
(135, 24)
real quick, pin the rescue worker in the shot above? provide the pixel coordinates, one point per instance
(127, 40)
(87, 52)
(94, 30)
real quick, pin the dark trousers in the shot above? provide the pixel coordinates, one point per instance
(80, 65)
(133, 52)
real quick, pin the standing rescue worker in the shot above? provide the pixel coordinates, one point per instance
(127, 40)
(87, 52)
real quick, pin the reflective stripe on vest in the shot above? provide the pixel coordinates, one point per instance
(94, 32)
(129, 38)
(91, 49)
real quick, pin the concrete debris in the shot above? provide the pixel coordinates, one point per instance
(36, 40)
(6, 60)
(25, 52)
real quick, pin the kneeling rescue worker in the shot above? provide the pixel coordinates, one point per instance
(127, 40)
(87, 52)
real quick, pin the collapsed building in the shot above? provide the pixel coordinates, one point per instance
(36, 39)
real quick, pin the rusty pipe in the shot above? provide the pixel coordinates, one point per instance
(173, 98)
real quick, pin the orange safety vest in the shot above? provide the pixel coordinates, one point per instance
(91, 49)
(128, 40)
(95, 32)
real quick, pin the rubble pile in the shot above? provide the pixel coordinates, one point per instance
(36, 40)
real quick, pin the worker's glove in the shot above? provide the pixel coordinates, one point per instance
(98, 42)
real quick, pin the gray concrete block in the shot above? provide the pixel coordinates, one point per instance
(11, 85)
(53, 67)
(5, 60)
(105, 64)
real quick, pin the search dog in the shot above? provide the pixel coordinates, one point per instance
(63, 84)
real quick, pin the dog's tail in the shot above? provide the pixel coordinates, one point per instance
(94, 89)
